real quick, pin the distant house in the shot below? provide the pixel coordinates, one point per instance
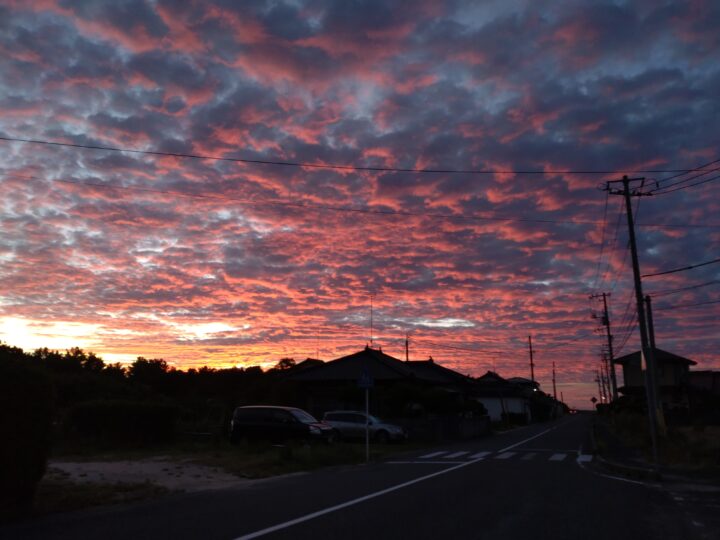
(503, 399)
(335, 384)
(528, 384)
(672, 371)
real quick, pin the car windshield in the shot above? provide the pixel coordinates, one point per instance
(304, 417)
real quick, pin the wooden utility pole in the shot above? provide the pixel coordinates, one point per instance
(407, 347)
(554, 387)
(611, 354)
(532, 365)
(647, 351)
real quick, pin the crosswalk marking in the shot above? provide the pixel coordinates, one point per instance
(457, 454)
(434, 454)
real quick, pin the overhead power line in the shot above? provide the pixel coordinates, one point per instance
(696, 169)
(370, 211)
(302, 164)
(682, 269)
(678, 184)
(665, 191)
(688, 305)
(681, 289)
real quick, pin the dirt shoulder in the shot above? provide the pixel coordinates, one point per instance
(171, 474)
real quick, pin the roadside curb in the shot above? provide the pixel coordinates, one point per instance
(631, 471)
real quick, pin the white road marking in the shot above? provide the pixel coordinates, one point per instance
(613, 477)
(529, 456)
(369, 496)
(505, 455)
(457, 454)
(426, 462)
(434, 454)
(480, 455)
(558, 457)
(584, 458)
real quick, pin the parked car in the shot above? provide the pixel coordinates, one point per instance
(277, 424)
(351, 425)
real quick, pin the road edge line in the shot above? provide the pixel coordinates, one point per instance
(352, 502)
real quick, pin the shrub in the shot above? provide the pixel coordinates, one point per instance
(123, 421)
(25, 423)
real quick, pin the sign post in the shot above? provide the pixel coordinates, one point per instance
(366, 381)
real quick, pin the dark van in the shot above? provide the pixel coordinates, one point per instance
(277, 424)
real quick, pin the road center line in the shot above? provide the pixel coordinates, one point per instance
(364, 498)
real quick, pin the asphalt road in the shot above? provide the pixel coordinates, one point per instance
(536, 482)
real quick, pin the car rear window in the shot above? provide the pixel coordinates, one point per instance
(304, 417)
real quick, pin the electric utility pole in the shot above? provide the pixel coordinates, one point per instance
(611, 354)
(651, 325)
(600, 389)
(604, 378)
(554, 387)
(647, 351)
(532, 365)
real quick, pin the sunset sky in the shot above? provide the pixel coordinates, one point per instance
(227, 262)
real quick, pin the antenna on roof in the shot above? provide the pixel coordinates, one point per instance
(371, 320)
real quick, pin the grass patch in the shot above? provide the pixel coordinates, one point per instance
(57, 493)
(254, 460)
(263, 460)
(690, 448)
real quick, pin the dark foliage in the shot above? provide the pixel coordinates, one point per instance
(123, 421)
(25, 423)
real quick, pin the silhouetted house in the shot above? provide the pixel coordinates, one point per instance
(305, 364)
(503, 399)
(672, 372)
(528, 384)
(398, 388)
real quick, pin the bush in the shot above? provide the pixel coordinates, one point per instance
(25, 423)
(123, 421)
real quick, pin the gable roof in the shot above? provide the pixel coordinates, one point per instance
(491, 378)
(380, 366)
(431, 371)
(661, 356)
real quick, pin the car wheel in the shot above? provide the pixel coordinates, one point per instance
(382, 437)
